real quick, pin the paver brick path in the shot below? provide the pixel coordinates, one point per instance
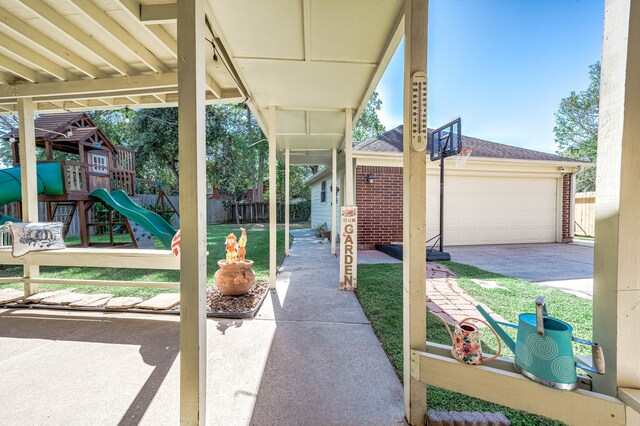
(446, 299)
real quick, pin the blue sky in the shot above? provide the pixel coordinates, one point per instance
(501, 65)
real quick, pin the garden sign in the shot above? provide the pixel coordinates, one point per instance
(348, 248)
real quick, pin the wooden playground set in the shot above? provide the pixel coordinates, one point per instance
(83, 170)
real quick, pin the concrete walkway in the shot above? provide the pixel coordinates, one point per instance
(310, 357)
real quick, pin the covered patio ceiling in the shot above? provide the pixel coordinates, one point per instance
(312, 60)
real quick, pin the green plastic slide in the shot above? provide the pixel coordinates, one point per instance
(49, 176)
(152, 222)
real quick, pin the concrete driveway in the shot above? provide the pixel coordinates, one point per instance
(568, 267)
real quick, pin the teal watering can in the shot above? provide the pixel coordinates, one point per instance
(544, 348)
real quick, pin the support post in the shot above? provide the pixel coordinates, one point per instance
(83, 223)
(287, 194)
(334, 199)
(29, 178)
(348, 157)
(616, 298)
(272, 198)
(193, 230)
(414, 216)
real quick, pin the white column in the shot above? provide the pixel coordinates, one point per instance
(193, 229)
(414, 172)
(616, 298)
(29, 178)
(287, 191)
(273, 220)
(334, 199)
(348, 158)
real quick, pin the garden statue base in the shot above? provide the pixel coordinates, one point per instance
(235, 279)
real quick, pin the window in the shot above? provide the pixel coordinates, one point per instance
(323, 191)
(100, 163)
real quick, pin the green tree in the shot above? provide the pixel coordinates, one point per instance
(576, 129)
(369, 125)
(7, 124)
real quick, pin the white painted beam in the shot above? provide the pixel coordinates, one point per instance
(213, 86)
(273, 220)
(414, 226)
(158, 13)
(132, 8)
(167, 40)
(193, 226)
(287, 191)
(12, 22)
(89, 9)
(348, 157)
(19, 70)
(25, 53)
(29, 179)
(166, 81)
(616, 307)
(579, 407)
(334, 198)
(48, 14)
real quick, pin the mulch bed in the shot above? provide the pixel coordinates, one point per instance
(231, 306)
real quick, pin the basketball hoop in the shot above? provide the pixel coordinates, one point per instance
(461, 158)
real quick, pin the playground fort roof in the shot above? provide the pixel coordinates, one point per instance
(65, 131)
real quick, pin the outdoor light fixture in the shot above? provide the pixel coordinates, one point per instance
(216, 62)
(371, 178)
(337, 189)
(12, 139)
(126, 115)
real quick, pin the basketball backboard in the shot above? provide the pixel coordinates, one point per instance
(446, 141)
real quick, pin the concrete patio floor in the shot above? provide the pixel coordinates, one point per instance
(309, 357)
(568, 267)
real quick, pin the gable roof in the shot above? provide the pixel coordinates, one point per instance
(52, 127)
(391, 142)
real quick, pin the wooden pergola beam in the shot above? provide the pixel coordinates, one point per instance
(12, 22)
(19, 70)
(158, 13)
(46, 13)
(86, 87)
(151, 14)
(95, 14)
(25, 53)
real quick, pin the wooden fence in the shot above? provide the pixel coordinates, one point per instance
(585, 214)
(258, 212)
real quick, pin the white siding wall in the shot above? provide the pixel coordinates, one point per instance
(321, 212)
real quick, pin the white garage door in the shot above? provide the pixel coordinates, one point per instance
(494, 210)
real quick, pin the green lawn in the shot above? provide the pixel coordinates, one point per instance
(380, 294)
(257, 250)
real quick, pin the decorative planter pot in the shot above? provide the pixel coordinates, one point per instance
(326, 234)
(235, 279)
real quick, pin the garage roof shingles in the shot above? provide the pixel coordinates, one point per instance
(391, 142)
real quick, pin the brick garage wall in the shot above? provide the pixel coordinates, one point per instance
(379, 205)
(566, 208)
